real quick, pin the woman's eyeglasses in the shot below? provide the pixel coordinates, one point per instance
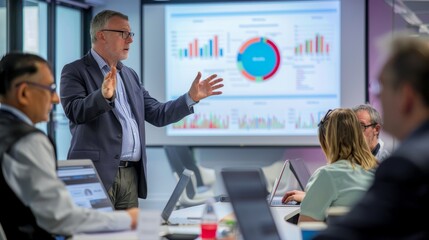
(323, 120)
(321, 124)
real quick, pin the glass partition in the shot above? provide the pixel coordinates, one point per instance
(68, 48)
(35, 29)
(35, 33)
(3, 28)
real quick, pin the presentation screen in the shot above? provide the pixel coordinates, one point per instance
(283, 65)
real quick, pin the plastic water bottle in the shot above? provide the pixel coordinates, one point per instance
(209, 221)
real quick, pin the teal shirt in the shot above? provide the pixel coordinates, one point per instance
(336, 184)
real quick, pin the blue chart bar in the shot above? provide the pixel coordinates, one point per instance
(211, 47)
(221, 52)
(186, 52)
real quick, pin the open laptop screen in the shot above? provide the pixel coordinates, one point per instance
(301, 172)
(84, 184)
(175, 195)
(276, 185)
(248, 198)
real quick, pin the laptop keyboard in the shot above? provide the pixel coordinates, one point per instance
(278, 202)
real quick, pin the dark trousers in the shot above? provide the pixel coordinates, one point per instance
(123, 192)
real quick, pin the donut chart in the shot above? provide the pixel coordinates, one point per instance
(258, 59)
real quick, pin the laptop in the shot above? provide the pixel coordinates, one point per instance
(300, 171)
(84, 184)
(248, 197)
(179, 189)
(182, 228)
(274, 199)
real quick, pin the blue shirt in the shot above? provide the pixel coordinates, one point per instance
(131, 144)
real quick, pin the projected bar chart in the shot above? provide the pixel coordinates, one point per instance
(308, 120)
(317, 45)
(195, 49)
(260, 122)
(203, 121)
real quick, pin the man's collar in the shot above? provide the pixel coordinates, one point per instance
(18, 113)
(101, 63)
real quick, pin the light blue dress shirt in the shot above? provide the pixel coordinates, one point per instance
(131, 144)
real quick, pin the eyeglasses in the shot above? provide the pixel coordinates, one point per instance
(323, 120)
(321, 124)
(364, 127)
(51, 88)
(124, 34)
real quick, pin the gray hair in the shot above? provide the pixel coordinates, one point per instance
(100, 20)
(374, 115)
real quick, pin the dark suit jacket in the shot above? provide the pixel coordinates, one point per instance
(94, 125)
(398, 196)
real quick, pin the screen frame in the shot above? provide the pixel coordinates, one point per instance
(353, 70)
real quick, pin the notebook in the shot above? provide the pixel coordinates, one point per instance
(248, 198)
(300, 171)
(274, 199)
(84, 184)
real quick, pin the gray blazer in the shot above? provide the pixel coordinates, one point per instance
(95, 128)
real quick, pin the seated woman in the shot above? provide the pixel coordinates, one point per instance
(348, 174)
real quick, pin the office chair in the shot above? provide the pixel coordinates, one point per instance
(203, 179)
(198, 198)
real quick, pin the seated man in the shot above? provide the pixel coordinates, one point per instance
(35, 203)
(371, 123)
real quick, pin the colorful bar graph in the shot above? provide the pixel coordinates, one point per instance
(316, 46)
(195, 49)
(203, 121)
(260, 122)
(308, 120)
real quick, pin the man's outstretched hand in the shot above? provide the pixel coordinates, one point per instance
(204, 88)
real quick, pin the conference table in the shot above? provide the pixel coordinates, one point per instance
(287, 231)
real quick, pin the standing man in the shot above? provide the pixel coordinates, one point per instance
(107, 107)
(371, 123)
(400, 190)
(35, 203)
